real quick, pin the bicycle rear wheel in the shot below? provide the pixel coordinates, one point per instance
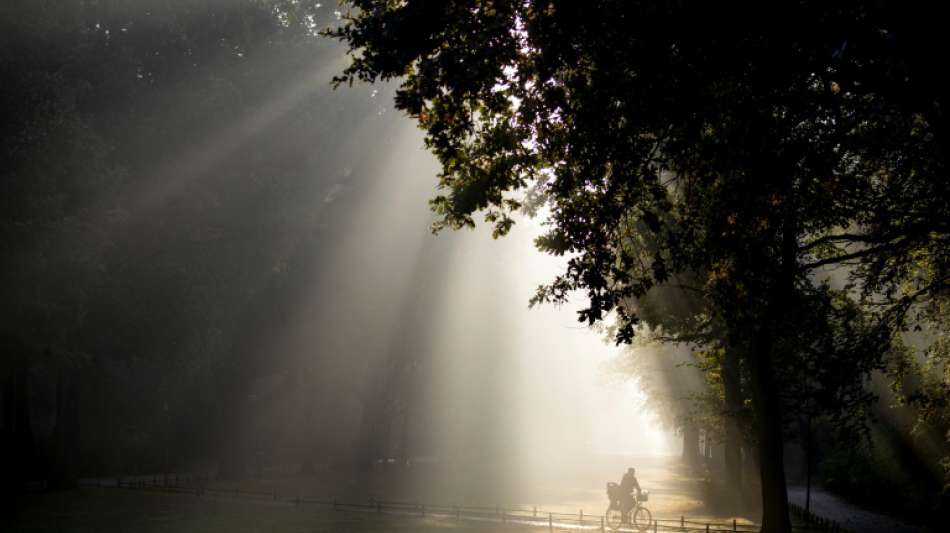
(613, 517)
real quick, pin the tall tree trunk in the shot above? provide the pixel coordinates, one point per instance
(690, 443)
(732, 453)
(765, 404)
(167, 436)
(765, 397)
(808, 463)
(309, 431)
(373, 440)
(232, 411)
(405, 434)
(18, 444)
(21, 445)
(65, 457)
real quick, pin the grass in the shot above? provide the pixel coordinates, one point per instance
(114, 511)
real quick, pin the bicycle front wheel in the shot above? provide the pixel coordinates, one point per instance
(642, 518)
(613, 517)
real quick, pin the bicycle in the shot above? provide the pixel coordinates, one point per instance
(638, 516)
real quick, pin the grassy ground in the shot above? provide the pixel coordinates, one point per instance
(110, 510)
(114, 511)
(675, 491)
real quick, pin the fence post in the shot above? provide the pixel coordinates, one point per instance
(734, 525)
(550, 521)
(601, 524)
(682, 522)
(423, 509)
(655, 525)
(535, 511)
(707, 528)
(581, 521)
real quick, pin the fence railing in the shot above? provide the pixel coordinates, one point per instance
(811, 519)
(197, 485)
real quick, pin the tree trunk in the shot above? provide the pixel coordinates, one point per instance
(232, 411)
(17, 445)
(231, 465)
(765, 404)
(690, 443)
(373, 439)
(309, 440)
(308, 436)
(21, 452)
(65, 456)
(765, 396)
(808, 462)
(732, 453)
(405, 437)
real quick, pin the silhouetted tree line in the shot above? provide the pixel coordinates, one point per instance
(170, 177)
(785, 162)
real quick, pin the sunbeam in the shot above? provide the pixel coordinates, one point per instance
(482, 265)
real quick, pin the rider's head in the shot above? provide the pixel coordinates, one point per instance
(632, 471)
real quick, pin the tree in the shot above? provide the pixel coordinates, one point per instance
(743, 146)
(672, 385)
(136, 233)
(680, 312)
(47, 285)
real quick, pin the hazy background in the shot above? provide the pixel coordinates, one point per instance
(216, 263)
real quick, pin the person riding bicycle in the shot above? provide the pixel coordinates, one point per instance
(625, 508)
(627, 484)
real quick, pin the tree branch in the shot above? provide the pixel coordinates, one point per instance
(854, 255)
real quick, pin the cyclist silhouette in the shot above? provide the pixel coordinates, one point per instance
(627, 484)
(624, 508)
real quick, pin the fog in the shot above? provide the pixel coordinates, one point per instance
(228, 268)
(453, 374)
(219, 269)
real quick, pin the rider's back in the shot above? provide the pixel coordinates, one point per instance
(628, 482)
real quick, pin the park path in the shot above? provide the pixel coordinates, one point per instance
(851, 517)
(673, 494)
(572, 495)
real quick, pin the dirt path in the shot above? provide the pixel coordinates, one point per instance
(850, 517)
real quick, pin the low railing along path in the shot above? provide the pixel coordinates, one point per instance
(533, 516)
